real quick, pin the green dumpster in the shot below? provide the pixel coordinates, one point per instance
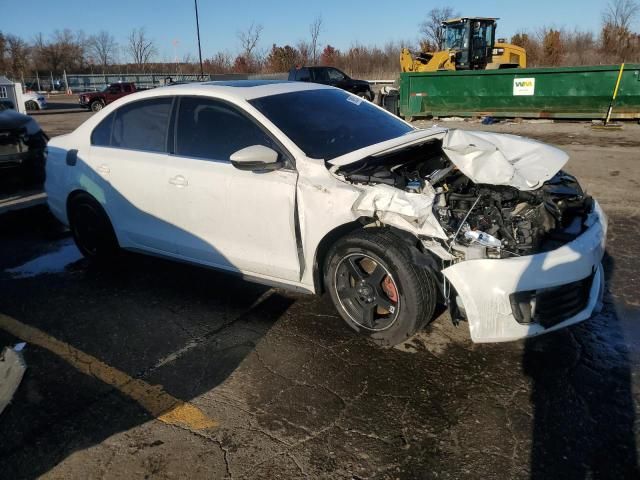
(564, 92)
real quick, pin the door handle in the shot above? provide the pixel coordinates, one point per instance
(178, 181)
(103, 168)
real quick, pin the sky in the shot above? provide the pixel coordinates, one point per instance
(367, 22)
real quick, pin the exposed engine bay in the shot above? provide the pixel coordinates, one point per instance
(481, 220)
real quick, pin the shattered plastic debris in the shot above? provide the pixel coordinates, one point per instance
(410, 211)
(12, 368)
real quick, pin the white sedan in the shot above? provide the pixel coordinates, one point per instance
(308, 187)
(34, 101)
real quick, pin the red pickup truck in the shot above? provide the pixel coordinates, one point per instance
(97, 100)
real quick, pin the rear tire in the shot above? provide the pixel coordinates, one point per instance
(91, 228)
(376, 287)
(31, 105)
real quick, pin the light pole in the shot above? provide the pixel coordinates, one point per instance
(199, 49)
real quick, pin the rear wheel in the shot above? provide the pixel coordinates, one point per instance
(92, 231)
(31, 105)
(376, 287)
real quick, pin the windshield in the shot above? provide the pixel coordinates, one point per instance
(482, 38)
(329, 123)
(455, 36)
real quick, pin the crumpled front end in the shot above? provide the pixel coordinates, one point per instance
(518, 239)
(512, 298)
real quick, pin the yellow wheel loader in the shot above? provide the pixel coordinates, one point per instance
(468, 44)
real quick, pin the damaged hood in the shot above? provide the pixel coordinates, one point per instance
(501, 159)
(484, 157)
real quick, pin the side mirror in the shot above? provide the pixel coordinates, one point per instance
(256, 157)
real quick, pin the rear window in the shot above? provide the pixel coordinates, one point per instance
(142, 125)
(329, 123)
(101, 135)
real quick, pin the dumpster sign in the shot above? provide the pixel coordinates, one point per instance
(524, 86)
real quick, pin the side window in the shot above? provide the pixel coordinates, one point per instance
(101, 135)
(321, 75)
(303, 75)
(115, 88)
(214, 130)
(335, 75)
(142, 125)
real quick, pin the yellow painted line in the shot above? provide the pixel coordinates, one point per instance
(152, 398)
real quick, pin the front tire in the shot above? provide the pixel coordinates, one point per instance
(31, 105)
(91, 228)
(376, 287)
(96, 106)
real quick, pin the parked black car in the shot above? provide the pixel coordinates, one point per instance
(334, 77)
(22, 145)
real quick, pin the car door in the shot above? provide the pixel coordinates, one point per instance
(113, 93)
(338, 79)
(230, 218)
(128, 159)
(320, 75)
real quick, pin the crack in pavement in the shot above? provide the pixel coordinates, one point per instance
(195, 342)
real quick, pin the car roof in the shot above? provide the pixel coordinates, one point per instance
(238, 89)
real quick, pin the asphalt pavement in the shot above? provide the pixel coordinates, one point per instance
(151, 369)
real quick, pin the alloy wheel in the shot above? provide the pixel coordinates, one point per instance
(367, 292)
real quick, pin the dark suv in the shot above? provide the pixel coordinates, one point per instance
(334, 77)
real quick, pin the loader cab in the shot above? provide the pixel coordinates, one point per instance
(470, 41)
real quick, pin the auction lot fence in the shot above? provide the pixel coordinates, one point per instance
(96, 82)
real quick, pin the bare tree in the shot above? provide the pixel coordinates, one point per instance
(102, 47)
(140, 47)
(221, 62)
(64, 50)
(552, 46)
(432, 29)
(304, 53)
(314, 29)
(249, 40)
(18, 51)
(620, 14)
(616, 37)
(3, 48)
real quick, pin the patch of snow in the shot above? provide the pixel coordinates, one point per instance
(51, 262)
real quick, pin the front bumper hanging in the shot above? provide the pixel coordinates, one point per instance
(513, 298)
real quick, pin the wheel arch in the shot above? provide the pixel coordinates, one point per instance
(73, 195)
(419, 255)
(79, 192)
(325, 245)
